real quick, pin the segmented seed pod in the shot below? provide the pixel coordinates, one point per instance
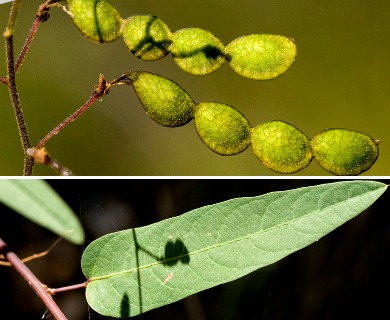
(344, 152)
(261, 56)
(96, 19)
(147, 37)
(197, 51)
(222, 128)
(281, 147)
(164, 100)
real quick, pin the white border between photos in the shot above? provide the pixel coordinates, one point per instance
(203, 177)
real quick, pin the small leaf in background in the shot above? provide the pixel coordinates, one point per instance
(36, 200)
(136, 270)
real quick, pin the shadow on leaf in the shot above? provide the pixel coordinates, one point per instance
(149, 42)
(210, 51)
(125, 306)
(174, 252)
(97, 23)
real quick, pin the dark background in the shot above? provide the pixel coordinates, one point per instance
(343, 275)
(340, 78)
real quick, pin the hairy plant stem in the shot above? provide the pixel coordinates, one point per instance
(38, 19)
(101, 89)
(13, 15)
(68, 120)
(41, 16)
(24, 137)
(32, 280)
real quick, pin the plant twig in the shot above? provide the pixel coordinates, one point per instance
(101, 89)
(53, 291)
(41, 16)
(41, 156)
(32, 280)
(36, 255)
(13, 15)
(24, 137)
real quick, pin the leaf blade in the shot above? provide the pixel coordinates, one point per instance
(169, 260)
(37, 201)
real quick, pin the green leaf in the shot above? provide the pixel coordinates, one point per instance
(36, 200)
(140, 269)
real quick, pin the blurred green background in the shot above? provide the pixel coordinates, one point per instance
(340, 78)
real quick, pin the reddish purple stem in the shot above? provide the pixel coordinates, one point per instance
(68, 120)
(53, 291)
(28, 42)
(32, 280)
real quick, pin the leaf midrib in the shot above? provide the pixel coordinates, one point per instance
(111, 275)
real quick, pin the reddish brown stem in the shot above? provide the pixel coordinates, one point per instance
(28, 42)
(101, 89)
(68, 120)
(41, 16)
(53, 291)
(24, 137)
(40, 155)
(32, 280)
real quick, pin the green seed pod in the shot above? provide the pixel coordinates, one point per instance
(222, 128)
(344, 152)
(147, 37)
(197, 51)
(97, 19)
(164, 100)
(261, 56)
(281, 146)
